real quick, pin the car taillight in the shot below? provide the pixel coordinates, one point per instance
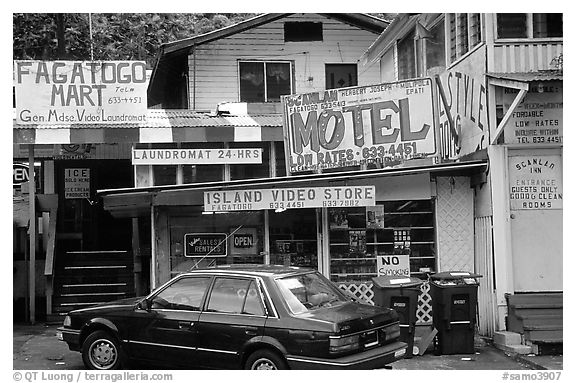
(389, 333)
(344, 344)
(67, 321)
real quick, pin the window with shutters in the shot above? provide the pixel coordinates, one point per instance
(465, 33)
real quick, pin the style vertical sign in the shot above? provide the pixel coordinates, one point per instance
(76, 183)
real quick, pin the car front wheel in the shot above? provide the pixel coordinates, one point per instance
(265, 360)
(101, 351)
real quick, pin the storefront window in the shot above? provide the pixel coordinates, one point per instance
(359, 235)
(293, 239)
(164, 174)
(200, 240)
(247, 171)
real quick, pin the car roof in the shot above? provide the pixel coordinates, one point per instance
(253, 269)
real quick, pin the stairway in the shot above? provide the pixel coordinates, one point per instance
(86, 278)
(538, 317)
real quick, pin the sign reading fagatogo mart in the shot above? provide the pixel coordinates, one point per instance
(354, 126)
(80, 92)
(294, 198)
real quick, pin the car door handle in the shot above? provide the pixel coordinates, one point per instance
(185, 325)
(251, 331)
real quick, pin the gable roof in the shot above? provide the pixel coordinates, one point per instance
(360, 20)
(169, 52)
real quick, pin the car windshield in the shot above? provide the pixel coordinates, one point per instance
(311, 291)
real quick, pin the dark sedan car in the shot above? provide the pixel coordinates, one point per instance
(242, 316)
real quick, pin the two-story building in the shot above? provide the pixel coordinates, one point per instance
(499, 81)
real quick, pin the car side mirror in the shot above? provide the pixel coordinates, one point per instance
(144, 304)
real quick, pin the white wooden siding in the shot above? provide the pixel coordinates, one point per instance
(216, 69)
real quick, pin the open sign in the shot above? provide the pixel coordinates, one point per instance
(19, 174)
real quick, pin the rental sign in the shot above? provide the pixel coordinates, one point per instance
(80, 92)
(360, 125)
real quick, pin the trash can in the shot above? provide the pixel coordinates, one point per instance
(454, 298)
(400, 294)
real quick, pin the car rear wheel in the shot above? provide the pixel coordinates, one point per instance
(101, 351)
(265, 360)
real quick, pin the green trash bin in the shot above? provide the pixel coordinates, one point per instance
(400, 294)
(454, 300)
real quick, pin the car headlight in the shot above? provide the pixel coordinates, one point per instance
(67, 321)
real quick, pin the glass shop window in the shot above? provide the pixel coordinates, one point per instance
(201, 240)
(359, 235)
(293, 239)
(262, 81)
(248, 171)
(165, 174)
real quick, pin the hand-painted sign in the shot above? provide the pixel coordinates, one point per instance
(393, 265)
(196, 156)
(76, 183)
(207, 245)
(538, 118)
(464, 107)
(360, 125)
(294, 198)
(536, 182)
(80, 92)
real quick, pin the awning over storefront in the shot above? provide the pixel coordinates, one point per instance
(521, 82)
(133, 202)
(161, 126)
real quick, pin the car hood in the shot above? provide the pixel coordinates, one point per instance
(113, 305)
(352, 317)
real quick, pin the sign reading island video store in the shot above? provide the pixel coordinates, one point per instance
(208, 245)
(293, 198)
(80, 92)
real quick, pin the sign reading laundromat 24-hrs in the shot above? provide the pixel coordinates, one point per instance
(80, 92)
(383, 124)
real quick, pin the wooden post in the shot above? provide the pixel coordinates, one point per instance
(137, 257)
(32, 235)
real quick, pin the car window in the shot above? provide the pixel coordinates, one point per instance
(183, 294)
(253, 303)
(228, 295)
(310, 291)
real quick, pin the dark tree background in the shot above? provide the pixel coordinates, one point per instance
(119, 36)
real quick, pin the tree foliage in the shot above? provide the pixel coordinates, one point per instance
(120, 36)
(115, 36)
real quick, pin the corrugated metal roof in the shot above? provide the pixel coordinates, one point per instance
(176, 118)
(544, 75)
